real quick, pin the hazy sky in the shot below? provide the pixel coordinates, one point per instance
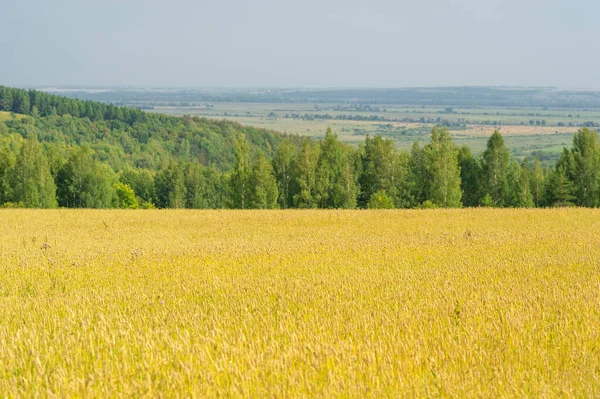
(292, 43)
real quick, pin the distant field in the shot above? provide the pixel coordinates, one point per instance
(508, 116)
(450, 303)
(526, 130)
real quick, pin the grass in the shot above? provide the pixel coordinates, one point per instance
(462, 303)
(6, 116)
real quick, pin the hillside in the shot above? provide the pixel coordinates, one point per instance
(124, 137)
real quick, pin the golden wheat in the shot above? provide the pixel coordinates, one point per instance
(459, 303)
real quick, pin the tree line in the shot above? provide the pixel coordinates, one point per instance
(311, 174)
(71, 153)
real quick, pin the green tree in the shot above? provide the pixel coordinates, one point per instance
(169, 186)
(124, 197)
(586, 167)
(418, 176)
(21, 103)
(7, 161)
(470, 177)
(83, 182)
(443, 170)
(496, 162)
(536, 179)
(559, 189)
(203, 187)
(520, 188)
(263, 186)
(6, 99)
(306, 172)
(379, 169)
(240, 185)
(142, 183)
(32, 183)
(284, 168)
(336, 179)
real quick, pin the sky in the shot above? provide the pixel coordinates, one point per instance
(293, 43)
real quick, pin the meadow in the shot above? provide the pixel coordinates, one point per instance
(453, 303)
(5, 116)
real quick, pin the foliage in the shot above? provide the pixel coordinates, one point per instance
(59, 155)
(240, 177)
(263, 186)
(124, 197)
(443, 170)
(131, 138)
(30, 180)
(83, 182)
(380, 200)
(496, 161)
(335, 175)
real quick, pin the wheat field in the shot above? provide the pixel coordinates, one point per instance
(423, 303)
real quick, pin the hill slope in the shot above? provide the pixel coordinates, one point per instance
(125, 137)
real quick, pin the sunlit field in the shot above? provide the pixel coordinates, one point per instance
(459, 303)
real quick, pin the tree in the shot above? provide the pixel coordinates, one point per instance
(335, 178)
(283, 167)
(559, 189)
(21, 103)
(240, 187)
(520, 194)
(124, 197)
(203, 187)
(7, 162)
(443, 170)
(418, 176)
(379, 164)
(263, 186)
(586, 167)
(470, 177)
(83, 182)
(169, 187)
(6, 99)
(536, 180)
(142, 183)
(306, 172)
(496, 161)
(32, 183)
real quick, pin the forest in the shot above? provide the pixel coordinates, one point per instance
(61, 152)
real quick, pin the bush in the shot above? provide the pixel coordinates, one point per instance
(13, 205)
(427, 204)
(488, 201)
(124, 197)
(380, 200)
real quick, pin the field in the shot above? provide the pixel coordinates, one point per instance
(406, 124)
(459, 303)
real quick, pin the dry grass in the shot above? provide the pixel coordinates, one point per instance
(463, 303)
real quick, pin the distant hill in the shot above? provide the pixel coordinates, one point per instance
(122, 136)
(427, 96)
